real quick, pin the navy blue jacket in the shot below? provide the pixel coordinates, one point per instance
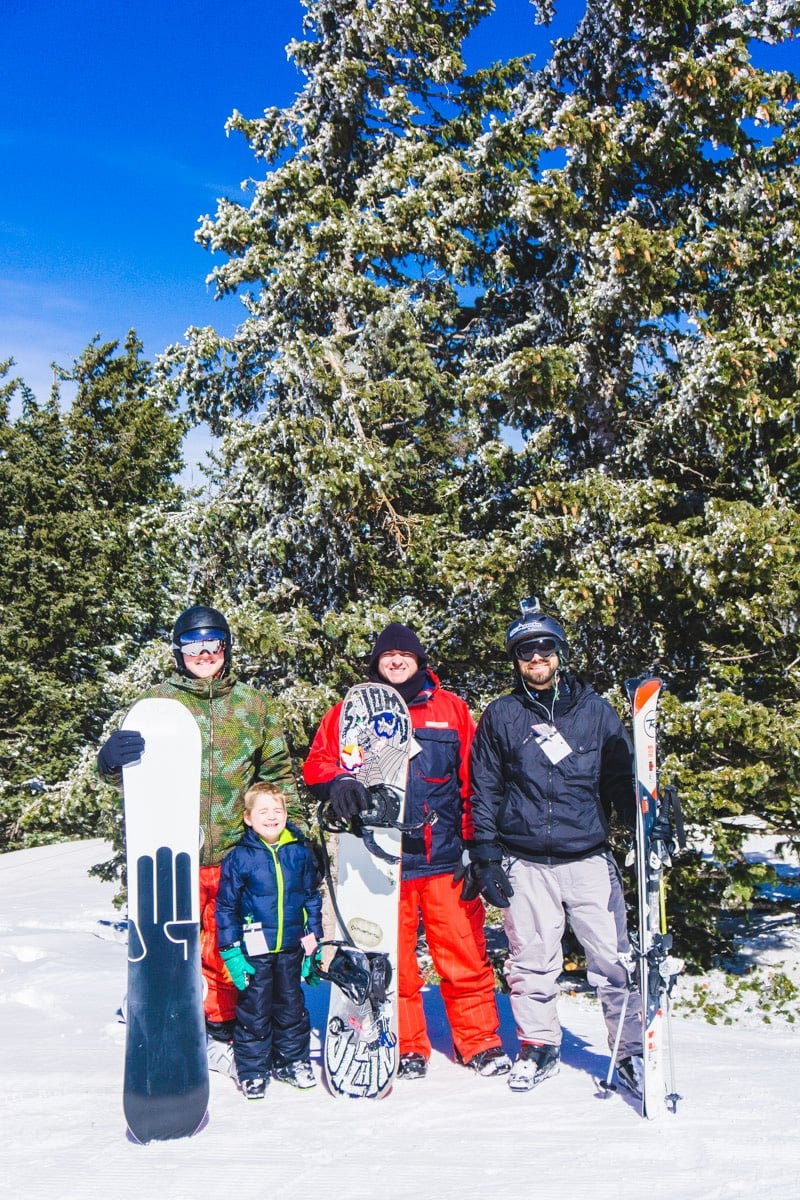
(277, 886)
(540, 810)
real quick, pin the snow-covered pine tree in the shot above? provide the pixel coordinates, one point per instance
(87, 566)
(611, 424)
(338, 399)
(639, 332)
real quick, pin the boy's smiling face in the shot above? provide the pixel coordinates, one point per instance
(267, 818)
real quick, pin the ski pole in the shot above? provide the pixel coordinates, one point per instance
(671, 1099)
(606, 1085)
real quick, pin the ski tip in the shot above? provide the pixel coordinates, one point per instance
(642, 689)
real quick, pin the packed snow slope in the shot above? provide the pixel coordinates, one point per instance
(451, 1135)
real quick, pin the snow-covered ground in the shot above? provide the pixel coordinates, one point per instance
(452, 1135)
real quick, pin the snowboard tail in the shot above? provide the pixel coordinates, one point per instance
(165, 1088)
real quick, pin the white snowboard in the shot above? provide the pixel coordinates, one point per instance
(375, 740)
(166, 1069)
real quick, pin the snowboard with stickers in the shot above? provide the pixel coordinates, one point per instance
(360, 1053)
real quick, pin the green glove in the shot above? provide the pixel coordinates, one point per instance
(237, 966)
(309, 972)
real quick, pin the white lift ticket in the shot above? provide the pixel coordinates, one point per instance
(552, 742)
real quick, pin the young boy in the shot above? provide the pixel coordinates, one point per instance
(269, 900)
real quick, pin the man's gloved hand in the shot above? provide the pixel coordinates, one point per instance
(237, 966)
(484, 874)
(122, 747)
(466, 876)
(347, 797)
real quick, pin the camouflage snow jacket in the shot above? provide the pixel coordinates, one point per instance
(242, 742)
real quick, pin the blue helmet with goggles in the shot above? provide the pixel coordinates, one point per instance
(534, 632)
(201, 629)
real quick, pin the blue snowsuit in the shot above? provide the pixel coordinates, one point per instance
(274, 887)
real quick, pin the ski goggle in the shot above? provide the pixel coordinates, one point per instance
(543, 647)
(210, 641)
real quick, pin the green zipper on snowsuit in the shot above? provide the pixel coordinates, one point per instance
(273, 847)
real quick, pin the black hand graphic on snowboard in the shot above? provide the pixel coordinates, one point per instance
(166, 1070)
(162, 930)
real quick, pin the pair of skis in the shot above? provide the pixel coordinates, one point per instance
(651, 968)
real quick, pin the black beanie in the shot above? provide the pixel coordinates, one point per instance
(397, 637)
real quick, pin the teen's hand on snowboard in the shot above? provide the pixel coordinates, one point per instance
(122, 747)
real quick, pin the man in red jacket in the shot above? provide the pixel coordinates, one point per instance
(438, 779)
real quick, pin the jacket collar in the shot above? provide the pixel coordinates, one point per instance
(207, 688)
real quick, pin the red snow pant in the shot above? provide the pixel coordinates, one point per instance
(457, 944)
(221, 996)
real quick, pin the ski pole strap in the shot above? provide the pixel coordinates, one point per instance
(674, 814)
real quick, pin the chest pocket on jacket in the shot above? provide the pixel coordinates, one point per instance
(436, 765)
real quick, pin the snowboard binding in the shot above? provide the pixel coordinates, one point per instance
(382, 813)
(361, 975)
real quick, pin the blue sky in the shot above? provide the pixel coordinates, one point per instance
(112, 145)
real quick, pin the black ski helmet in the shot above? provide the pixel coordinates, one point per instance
(535, 624)
(202, 621)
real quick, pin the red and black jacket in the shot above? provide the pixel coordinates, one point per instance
(438, 776)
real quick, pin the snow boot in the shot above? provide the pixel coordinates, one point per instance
(412, 1066)
(493, 1061)
(254, 1089)
(629, 1073)
(535, 1063)
(220, 1057)
(298, 1074)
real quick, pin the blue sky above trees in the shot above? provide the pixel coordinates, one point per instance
(113, 145)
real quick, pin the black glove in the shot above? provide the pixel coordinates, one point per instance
(347, 797)
(470, 888)
(484, 874)
(122, 747)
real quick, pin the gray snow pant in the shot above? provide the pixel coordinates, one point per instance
(590, 889)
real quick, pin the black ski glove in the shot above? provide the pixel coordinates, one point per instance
(347, 797)
(122, 747)
(465, 874)
(483, 874)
